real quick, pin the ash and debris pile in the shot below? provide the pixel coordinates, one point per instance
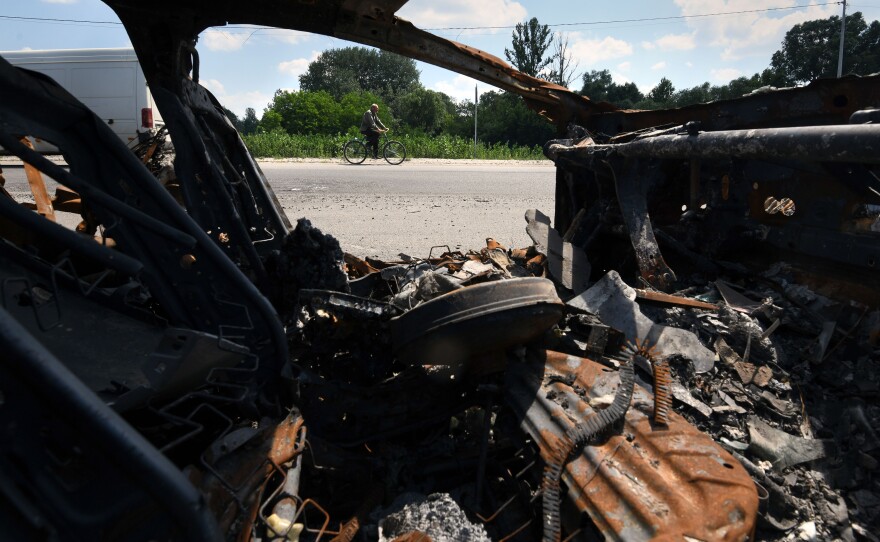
(436, 516)
(783, 378)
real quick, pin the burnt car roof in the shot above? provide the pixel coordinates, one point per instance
(211, 370)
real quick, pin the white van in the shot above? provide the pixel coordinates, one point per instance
(109, 81)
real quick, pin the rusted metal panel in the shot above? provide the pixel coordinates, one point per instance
(800, 193)
(38, 187)
(369, 23)
(675, 300)
(822, 102)
(645, 482)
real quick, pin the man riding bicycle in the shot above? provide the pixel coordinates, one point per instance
(372, 127)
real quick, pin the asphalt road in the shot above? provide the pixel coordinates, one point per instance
(375, 209)
(379, 210)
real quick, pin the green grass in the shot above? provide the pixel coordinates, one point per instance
(283, 145)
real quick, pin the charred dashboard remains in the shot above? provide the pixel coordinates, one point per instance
(784, 175)
(207, 370)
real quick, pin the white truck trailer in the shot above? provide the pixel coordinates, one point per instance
(109, 81)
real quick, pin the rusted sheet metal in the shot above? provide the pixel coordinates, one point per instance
(557, 103)
(288, 440)
(240, 463)
(822, 102)
(839, 143)
(356, 267)
(369, 23)
(645, 482)
(810, 212)
(675, 300)
(38, 187)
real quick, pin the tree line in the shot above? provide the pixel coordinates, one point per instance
(809, 51)
(341, 84)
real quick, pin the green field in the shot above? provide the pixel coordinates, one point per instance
(279, 144)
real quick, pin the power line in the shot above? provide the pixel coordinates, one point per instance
(673, 17)
(587, 23)
(47, 20)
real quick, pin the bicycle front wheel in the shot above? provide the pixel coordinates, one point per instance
(354, 151)
(394, 152)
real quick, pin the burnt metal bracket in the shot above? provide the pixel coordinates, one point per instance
(632, 178)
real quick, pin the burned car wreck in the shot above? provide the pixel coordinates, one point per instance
(688, 352)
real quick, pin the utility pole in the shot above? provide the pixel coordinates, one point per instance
(842, 32)
(476, 101)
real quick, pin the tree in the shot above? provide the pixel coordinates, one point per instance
(599, 86)
(866, 53)
(810, 50)
(249, 123)
(233, 118)
(352, 69)
(694, 95)
(737, 88)
(461, 121)
(596, 85)
(425, 110)
(271, 121)
(625, 95)
(662, 93)
(306, 112)
(504, 118)
(530, 42)
(562, 71)
(352, 107)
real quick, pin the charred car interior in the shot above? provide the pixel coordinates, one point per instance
(689, 351)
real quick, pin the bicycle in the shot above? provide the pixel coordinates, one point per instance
(355, 151)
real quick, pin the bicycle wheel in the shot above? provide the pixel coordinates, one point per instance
(354, 152)
(394, 152)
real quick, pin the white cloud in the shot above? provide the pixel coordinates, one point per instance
(624, 66)
(747, 34)
(237, 102)
(648, 45)
(689, 64)
(619, 78)
(461, 87)
(297, 66)
(725, 75)
(589, 52)
(218, 40)
(215, 86)
(229, 39)
(675, 42)
(432, 14)
(292, 37)
(658, 66)
(645, 88)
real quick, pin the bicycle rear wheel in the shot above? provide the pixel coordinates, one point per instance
(354, 151)
(394, 152)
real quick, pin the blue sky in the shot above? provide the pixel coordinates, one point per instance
(687, 41)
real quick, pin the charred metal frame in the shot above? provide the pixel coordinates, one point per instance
(201, 284)
(725, 162)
